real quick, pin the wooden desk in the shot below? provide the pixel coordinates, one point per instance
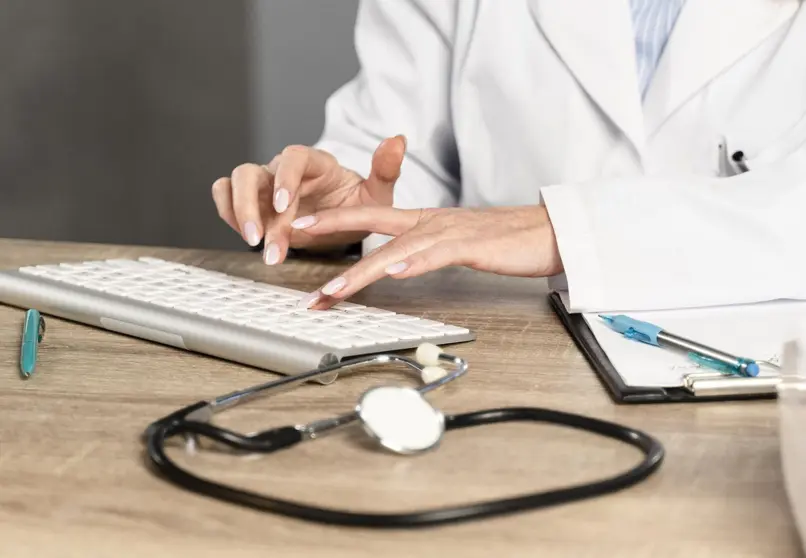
(74, 482)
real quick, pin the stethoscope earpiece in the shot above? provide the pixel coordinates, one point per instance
(428, 354)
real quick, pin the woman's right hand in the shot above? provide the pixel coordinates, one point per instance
(273, 201)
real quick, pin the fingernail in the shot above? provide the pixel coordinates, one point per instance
(250, 230)
(399, 267)
(272, 254)
(334, 286)
(304, 222)
(405, 142)
(281, 200)
(308, 300)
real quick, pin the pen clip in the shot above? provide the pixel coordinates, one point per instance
(632, 329)
(638, 336)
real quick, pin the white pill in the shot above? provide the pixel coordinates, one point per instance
(432, 374)
(428, 354)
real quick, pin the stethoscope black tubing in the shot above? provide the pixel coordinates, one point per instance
(280, 438)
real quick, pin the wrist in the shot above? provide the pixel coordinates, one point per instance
(548, 243)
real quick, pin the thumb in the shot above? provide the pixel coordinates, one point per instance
(386, 163)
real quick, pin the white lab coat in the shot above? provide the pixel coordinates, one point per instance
(507, 102)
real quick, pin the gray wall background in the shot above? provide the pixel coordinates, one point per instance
(116, 117)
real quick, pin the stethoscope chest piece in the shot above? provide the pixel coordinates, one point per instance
(400, 419)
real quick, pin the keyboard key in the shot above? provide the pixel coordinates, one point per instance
(340, 329)
(420, 322)
(280, 290)
(370, 318)
(72, 267)
(183, 290)
(32, 270)
(160, 285)
(360, 323)
(453, 330)
(377, 337)
(125, 263)
(402, 333)
(286, 307)
(296, 318)
(369, 311)
(399, 318)
(347, 305)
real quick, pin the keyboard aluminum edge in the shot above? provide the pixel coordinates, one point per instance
(200, 334)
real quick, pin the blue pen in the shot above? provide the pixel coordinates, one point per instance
(33, 331)
(706, 356)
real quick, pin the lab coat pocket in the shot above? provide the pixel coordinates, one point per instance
(791, 143)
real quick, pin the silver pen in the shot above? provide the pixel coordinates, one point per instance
(651, 334)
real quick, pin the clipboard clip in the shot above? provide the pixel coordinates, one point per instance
(720, 383)
(705, 384)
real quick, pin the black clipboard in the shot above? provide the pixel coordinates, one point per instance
(619, 391)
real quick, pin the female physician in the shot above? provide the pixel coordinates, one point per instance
(649, 153)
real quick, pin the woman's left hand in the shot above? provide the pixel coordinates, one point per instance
(508, 241)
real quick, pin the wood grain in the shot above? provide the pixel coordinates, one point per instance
(74, 482)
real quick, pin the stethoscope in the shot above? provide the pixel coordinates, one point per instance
(398, 419)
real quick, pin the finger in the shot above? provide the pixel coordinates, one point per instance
(247, 182)
(373, 219)
(271, 254)
(386, 164)
(271, 168)
(222, 196)
(368, 270)
(293, 165)
(442, 254)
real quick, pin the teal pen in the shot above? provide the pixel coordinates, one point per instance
(33, 330)
(651, 334)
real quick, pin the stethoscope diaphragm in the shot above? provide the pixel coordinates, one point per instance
(400, 419)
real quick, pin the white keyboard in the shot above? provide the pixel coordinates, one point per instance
(216, 314)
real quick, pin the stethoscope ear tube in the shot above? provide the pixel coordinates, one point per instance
(285, 437)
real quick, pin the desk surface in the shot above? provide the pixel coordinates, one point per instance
(74, 482)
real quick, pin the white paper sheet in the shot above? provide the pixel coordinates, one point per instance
(757, 331)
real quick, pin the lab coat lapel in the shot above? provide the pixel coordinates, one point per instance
(708, 37)
(595, 40)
